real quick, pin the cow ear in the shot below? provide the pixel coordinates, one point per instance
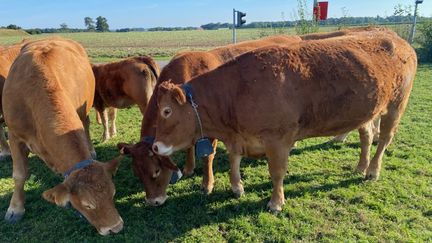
(112, 165)
(167, 163)
(125, 148)
(60, 195)
(178, 95)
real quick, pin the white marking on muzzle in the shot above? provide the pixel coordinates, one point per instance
(117, 227)
(157, 201)
(161, 149)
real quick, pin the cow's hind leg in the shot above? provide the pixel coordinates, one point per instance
(340, 138)
(20, 174)
(5, 150)
(388, 126)
(366, 142)
(112, 115)
(277, 155)
(208, 179)
(376, 129)
(235, 177)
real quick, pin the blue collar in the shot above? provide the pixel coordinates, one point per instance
(188, 92)
(80, 165)
(148, 139)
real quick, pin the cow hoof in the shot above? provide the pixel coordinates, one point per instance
(207, 190)
(360, 171)
(274, 208)
(372, 176)
(93, 154)
(188, 172)
(238, 191)
(13, 217)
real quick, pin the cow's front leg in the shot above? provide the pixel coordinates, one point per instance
(112, 116)
(86, 124)
(5, 150)
(277, 155)
(189, 167)
(20, 174)
(208, 179)
(235, 178)
(105, 125)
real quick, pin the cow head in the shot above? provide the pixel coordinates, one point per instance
(176, 122)
(90, 190)
(154, 171)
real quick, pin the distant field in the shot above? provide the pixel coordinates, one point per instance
(103, 47)
(161, 45)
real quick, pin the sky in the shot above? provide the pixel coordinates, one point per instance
(171, 13)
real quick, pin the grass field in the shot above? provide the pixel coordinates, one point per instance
(109, 46)
(325, 200)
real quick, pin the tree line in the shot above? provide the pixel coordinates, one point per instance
(101, 24)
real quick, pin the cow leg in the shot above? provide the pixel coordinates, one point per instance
(208, 179)
(388, 128)
(98, 117)
(278, 164)
(235, 178)
(366, 143)
(340, 138)
(20, 152)
(189, 167)
(104, 117)
(87, 131)
(376, 129)
(112, 118)
(5, 150)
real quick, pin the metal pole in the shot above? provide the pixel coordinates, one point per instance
(411, 37)
(234, 37)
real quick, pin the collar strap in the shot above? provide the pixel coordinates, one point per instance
(80, 165)
(148, 139)
(189, 97)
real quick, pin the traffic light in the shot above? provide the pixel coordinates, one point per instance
(240, 21)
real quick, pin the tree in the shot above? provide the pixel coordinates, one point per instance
(89, 23)
(13, 27)
(102, 24)
(64, 27)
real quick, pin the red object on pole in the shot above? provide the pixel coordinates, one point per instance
(320, 11)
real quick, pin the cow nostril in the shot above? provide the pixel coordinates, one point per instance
(155, 148)
(157, 203)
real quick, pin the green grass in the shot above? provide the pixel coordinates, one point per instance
(13, 33)
(325, 200)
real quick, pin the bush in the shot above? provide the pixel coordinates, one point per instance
(425, 51)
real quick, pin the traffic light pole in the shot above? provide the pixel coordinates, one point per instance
(234, 36)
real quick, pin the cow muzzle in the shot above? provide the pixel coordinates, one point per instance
(112, 229)
(161, 149)
(157, 201)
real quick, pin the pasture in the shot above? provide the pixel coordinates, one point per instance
(161, 45)
(325, 200)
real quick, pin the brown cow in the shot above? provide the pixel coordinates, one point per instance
(155, 171)
(263, 101)
(46, 100)
(122, 84)
(7, 57)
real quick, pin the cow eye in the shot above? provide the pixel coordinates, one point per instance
(166, 112)
(88, 205)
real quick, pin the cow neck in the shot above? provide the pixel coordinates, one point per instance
(209, 109)
(76, 151)
(148, 126)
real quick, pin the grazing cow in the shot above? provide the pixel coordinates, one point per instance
(46, 100)
(263, 101)
(7, 57)
(122, 84)
(155, 171)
